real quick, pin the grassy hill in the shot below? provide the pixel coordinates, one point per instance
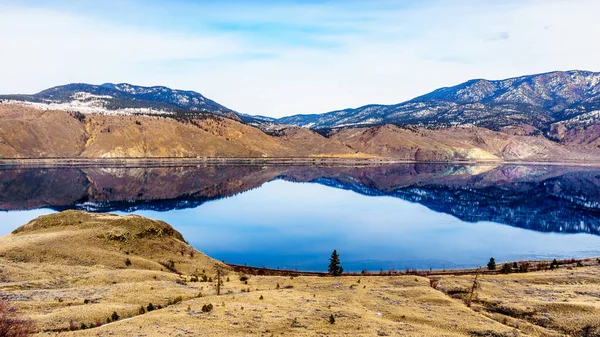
(74, 269)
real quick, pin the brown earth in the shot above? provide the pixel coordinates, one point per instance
(31, 133)
(458, 143)
(69, 270)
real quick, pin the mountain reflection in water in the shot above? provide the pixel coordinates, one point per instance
(540, 198)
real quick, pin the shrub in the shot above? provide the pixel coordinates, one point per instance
(244, 278)
(261, 297)
(207, 307)
(142, 311)
(150, 307)
(492, 264)
(433, 283)
(127, 262)
(83, 326)
(331, 319)
(542, 266)
(277, 287)
(86, 301)
(506, 268)
(194, 278)
(170, 265)
(523, 268)
(12, 324)
(177, 299)
(579, 264)
(114, 317)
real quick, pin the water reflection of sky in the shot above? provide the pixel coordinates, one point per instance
(297, 225)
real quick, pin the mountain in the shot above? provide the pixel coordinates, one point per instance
(546, 117)
(537, 101)
(124, 98)
(27, 132)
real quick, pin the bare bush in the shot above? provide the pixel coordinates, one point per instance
(12, 324)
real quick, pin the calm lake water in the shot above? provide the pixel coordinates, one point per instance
(378, 217)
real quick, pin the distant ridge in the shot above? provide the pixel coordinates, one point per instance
(124, 98)
(537, 100)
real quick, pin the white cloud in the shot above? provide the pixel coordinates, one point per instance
(356, 54)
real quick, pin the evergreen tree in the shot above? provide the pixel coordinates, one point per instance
(334, 264)
(492, 264)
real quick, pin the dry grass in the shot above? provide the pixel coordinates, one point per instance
(62, 273)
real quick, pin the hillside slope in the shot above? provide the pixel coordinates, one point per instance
(33, 133)
(27, 132)
(81, 274)
(457, 144)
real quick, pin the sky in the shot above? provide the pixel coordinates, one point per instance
(278, 58)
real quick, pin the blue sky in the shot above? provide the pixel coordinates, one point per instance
(285, 57)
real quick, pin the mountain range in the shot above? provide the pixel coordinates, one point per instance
(548, 117)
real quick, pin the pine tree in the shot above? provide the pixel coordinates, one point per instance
(334, 264)
(492, 264)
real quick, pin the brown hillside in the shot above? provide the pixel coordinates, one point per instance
(457, 143)
(32, 133)
(68, 271)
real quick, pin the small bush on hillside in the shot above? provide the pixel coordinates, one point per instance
(506, 268)
(170, 265)
(207, 307)
(150, 307)
(542, 266)
(141, 311)
(244, 278)
(12, 324)
(127, 262)
(579, 264)
(331, 319)
(523, 268)
(114, 317)
(492, 264)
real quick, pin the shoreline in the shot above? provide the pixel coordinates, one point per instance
(178, 161)
(532, 266)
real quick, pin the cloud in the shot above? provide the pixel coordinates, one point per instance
(281, 58)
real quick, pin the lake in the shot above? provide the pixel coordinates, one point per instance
(399, 216)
